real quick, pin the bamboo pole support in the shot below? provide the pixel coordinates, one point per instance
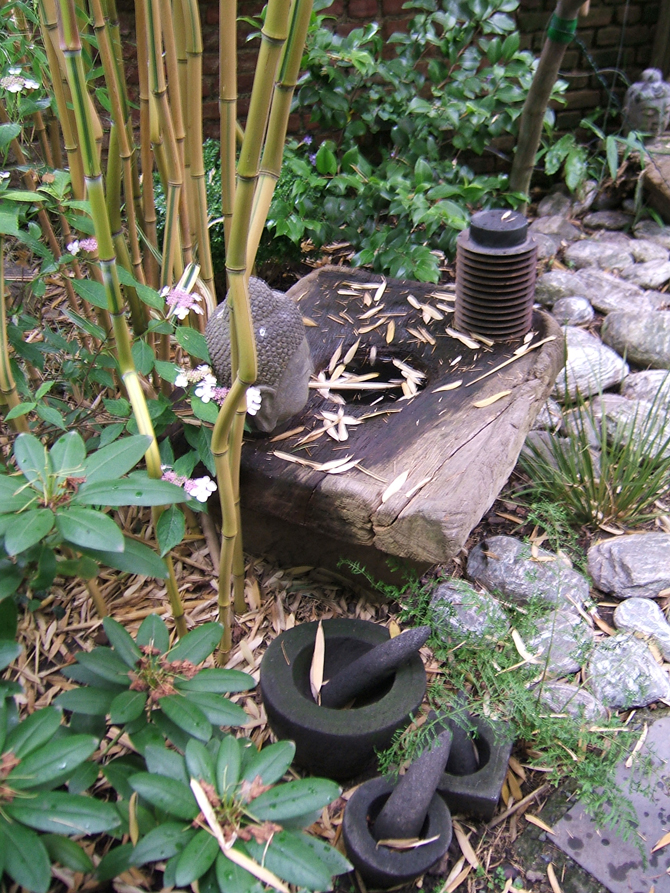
(10, 398)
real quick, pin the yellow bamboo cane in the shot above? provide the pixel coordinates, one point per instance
(7, 385)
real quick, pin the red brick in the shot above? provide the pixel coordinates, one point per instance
(598, 17)
(345, 28)
(649, 13)
(568, 120)
(583, 99)
(210, 110)
(639, 34)
(211, 16)
(630, 16)
(335, 9)
(393, 7)
(607, 37)
(393, 27)
(363, 9)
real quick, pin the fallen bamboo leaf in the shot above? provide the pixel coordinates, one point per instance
(252, 593)
(459, 879)
(395, 485)
(338, 370)
(455, 871)
(258, 871)
(370, 313)
(489, 401)
(287, 434)
(347, 385)
(394, 629)
(390, 332)
(533, 819)
(316, 668)
(521, 648)
(512, 359)
(449, 387)
(514, 764)
(335, 358)
(638, 746)
(514, 787)
(306, 321)
(664, 841)
(600, 623)
(466, 847)
(409, 843)
(417, 487)
(133, 827)
(551, 874)
(380, 291)
(414, 302)
(459, 336)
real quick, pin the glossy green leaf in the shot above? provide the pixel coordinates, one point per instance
(193, 343)
(143, 357)
(198, 855)
(161, 761)
(117, 772)
(290, 859)
(89, 701)
(228, 765)
(88, 529)
(332, 859)
(218, 710)
(173, 796)
(135, 490)
(127, 706)
(294, 798)
(115, 862)
(51, 761)
(64, 813)
(67, 852)
(9, 613)
(208, 412)
(121, 641)
(68, 454)
(78, 673)
(115, 460)
(199, 763)
(136, 558)
(36, 730)
(163, 842)
(26, 857)
(218, 680)
(186, 716)
(233, 879)
(83, 777)
(270, 763)
(197, 645)
(10, 580)
(32, 458)
(170, 529)
(91, 291)
(9, 651)
(105, 662)
(15, 493)
(51, 416)
(27, 529)
(153, 633)
(146, 294)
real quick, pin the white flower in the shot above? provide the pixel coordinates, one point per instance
(15, 70)
(200, 488)
(181, 381)
(73, 247)
(4, 175)
(30, 84)
(205, 389)
(253, 400)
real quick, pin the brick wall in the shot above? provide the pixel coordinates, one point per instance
(617, 37)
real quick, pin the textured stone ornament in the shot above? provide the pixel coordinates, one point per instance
(622, 673)
(642, 615)
(284, 358)
(634, 565)
(562, 643)
(459, 611)
(561, 697)
(647, 103)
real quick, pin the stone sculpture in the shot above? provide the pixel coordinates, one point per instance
(284, 358)
(647, 103)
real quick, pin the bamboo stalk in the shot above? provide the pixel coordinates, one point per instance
(71, 46)
(228, 108)
(8, 391)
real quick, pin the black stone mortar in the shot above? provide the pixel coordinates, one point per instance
(338, 744)
(477, 793)
(380, 866)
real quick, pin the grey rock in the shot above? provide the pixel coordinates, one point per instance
(562, 642)
(562, 697)
(622, 673)
(556, 226)
(607, 220)
(573, 311)
(642, 615)
(607, 293)
(630, 566)
(649, 229)
(284, 358)
(657, 300)
(404, 812)
(586, 195)
(634, 422)
(549, 417)
(459, 611)
(590, 366)
(506, 565)
(543, 445)
(644, 250)
(552, 286)
(651, 274)
(547, 246)
(372, 667)
(643, 336)
(591, 253)
(612, 237)
(652, 385)
(556, 204)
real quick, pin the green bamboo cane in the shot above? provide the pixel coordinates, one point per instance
(71, 47)
(273, 149)
(273, 37)
(228, 108)
(193, 40)
(8, 391)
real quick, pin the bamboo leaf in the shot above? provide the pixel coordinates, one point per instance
(488, 401)
(316, 668)
(396, 484)
(662, 842)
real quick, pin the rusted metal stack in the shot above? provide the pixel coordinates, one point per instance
(496, 268)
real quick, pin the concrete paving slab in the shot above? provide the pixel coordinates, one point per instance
(616, 863)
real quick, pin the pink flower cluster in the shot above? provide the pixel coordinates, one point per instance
(181, 302)
(197, 488)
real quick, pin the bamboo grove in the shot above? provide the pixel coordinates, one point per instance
(111, 156)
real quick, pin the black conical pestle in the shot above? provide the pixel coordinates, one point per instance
(463, 756)
(365, 673)
(404, 813)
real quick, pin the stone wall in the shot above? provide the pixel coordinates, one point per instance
(617, 37)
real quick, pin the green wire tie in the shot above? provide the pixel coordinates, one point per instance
(561, 30)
